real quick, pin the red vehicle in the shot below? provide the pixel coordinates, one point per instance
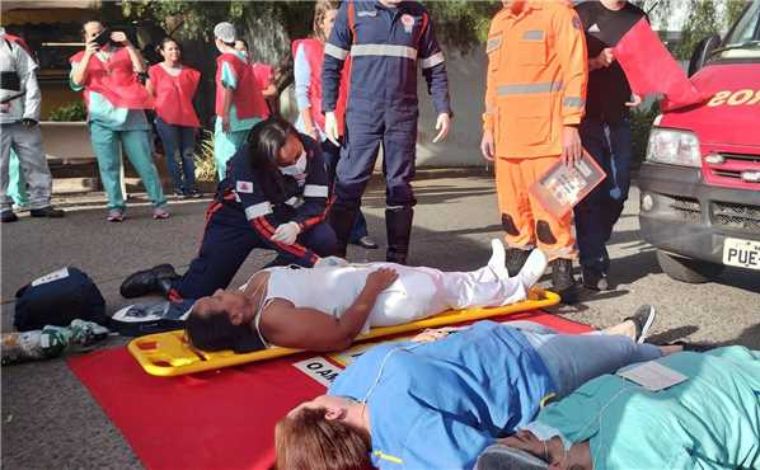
(700, 183)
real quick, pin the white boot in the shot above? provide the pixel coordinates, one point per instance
(533, 269)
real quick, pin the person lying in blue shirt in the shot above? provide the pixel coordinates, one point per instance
(439, 404)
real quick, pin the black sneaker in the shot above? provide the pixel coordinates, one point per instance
(643, 318)
(48, 211)
(595, 280)
(8, 216)
(193, 194)
(156, 280)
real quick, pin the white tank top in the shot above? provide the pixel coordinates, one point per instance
(330, 289)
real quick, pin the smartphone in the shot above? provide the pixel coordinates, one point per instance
(103, 38)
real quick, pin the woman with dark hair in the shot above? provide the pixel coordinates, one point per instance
(325, 308)
(308, 55)
(173, 86)
(274, 197)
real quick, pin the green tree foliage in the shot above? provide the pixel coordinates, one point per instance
(707, 17)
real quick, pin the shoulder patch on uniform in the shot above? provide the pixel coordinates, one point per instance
(244, 187)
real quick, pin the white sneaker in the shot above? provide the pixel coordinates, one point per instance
(534, 268)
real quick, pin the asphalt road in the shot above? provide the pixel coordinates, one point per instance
(49, 420)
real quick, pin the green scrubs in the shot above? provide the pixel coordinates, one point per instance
(226, 144)
(114, 128)
(712, 420)
(17, 185)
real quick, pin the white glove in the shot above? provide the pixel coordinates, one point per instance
(442, 125)
(330, 262)
(331, 128)
(286, 233)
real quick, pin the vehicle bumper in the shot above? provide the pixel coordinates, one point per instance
(680, 214)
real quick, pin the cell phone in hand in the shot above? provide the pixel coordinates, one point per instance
(103, 38)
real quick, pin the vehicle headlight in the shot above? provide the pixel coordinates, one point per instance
(673, 147)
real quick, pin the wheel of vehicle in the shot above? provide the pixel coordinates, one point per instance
(687, 269)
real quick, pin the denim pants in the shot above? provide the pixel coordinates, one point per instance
(331, 153)
(610, 144)
(573, 360)
(178, 139)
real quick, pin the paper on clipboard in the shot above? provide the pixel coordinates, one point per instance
(653, 376)
(562, 187)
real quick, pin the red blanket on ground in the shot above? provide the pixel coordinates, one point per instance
(222, 419)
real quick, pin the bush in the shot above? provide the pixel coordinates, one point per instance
(205, 165)
(69, 112)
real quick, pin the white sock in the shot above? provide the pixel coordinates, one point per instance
(533, 268)
(498, 260)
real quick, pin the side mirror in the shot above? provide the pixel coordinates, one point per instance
(701, 52)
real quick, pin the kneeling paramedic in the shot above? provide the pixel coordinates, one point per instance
(274, 197)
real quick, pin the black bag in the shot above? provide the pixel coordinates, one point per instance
(57, 299)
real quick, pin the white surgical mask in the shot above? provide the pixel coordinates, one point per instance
(298, 168)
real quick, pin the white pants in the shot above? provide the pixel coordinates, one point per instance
(27, 143)
(421, 292)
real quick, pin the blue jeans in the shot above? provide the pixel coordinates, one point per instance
(332, 155)
(573, 360)
(610, 144)
(178, 139)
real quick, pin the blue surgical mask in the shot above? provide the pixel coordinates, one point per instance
(298, 168)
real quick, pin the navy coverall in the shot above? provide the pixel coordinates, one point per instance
(242, 218)
(385, 45)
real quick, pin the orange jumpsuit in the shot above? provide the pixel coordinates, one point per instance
(536, 84)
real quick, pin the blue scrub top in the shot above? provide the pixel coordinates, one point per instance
(439, 404)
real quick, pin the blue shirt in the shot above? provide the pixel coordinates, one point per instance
(438, 405)
(385, 45)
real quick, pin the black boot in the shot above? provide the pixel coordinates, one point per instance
(342, 221)
(156, 280)
(516, 258)
(398, 228)
(563, 281)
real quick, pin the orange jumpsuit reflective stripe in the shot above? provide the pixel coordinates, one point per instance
(536, 84)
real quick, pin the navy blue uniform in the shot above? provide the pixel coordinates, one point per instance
(242, 218)
(386, 45)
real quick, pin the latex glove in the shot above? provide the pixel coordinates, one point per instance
(331, 128)
(331, 261)
(287, 233)
(486, 146)
(442, 125)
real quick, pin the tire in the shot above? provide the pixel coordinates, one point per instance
(687, 269)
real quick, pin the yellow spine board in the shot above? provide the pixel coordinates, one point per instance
(169, 354)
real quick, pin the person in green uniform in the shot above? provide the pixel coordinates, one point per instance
(107, 72)
(710, 420)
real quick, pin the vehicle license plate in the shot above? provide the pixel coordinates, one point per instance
(741, 253)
